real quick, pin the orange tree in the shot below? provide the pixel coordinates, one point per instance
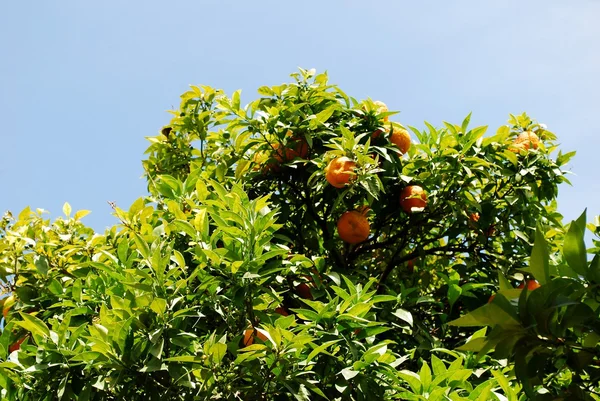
(304, 246)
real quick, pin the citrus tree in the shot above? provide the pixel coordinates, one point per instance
(309, 246)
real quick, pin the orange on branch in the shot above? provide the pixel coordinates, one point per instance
(293, 149)
(340, 171)
(264, 162)
(8, 304)
(531, 285)
(381, 108)
(16, 345)
(525, 141)
(249, 335)
(353, 226)
(401, 138)
(303, 291)
(413, 196)
(378, 107)
(282, 311)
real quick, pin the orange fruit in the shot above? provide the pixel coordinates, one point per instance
(531, 285)
(525, 141)
(353, 226)
(340, 171)
(16, 345)
(249, 335)
(282, 311)
(413, 196)
(381, 108)
(8, 304)
(294, 148)
(401, 138)
(303, 291)
(261, 160)
(300, 149)
(378, 107)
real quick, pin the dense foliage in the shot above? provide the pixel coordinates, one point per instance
(237, 277)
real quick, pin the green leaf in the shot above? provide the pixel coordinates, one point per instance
(438, 365)
(324, 115)
(500, 312)
(33, 325)
(87, 356)
(80, 214)
(159, 306)
(425, 375)
(185, 359)
(538, 263)
(184, 226)
(67, 209)
(349, 373)
(503, 282)
(511, 157)
(321, 348)
(41, 264)
(465, 123)
(574, 245)
(217, 352)
(454, 292)
(142, 245)
(404, 315)
(375, 352)
(413, 380)
(235, 100)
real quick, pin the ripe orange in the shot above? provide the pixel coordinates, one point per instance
(303, 291)
(413, 196)
(282, 311)
(525, 141)
(531, 285)
(411, 265)
(377, 133)
(340, 171)
(378, 107)
(353, 226)
(260, 159)
(401, 138)
(8, 304)
(249, 335)
(294, 148)
(16, 345)
(381, 108)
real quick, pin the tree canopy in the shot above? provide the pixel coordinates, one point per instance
(310, 246)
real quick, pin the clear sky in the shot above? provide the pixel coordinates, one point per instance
(82, 83)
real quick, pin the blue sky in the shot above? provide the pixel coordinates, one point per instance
(82, 83)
